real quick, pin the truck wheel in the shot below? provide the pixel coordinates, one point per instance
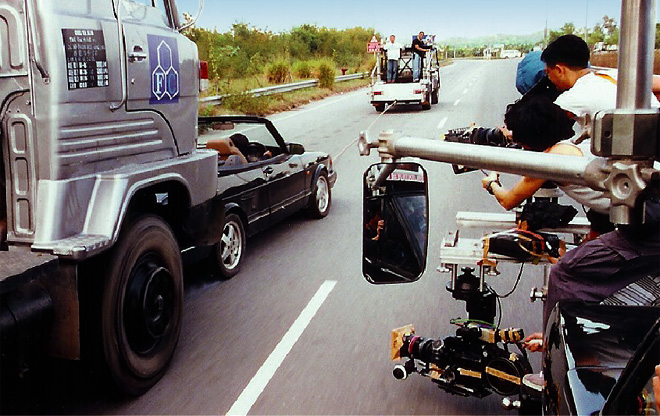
(321, 198)
(141, 304)
(426, 104)
(228, 252)
(379, 107)
(434, 97)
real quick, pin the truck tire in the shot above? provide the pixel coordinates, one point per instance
(379, 107)
(426, 104)
(321, 197)
(141, 304)
(228, 253)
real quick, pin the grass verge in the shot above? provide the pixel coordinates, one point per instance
(245, 103)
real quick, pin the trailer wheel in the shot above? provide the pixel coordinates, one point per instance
(142, 304)
(379, 107)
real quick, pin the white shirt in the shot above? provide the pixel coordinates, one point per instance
(590, 94)
(596, 200)
(393, 50)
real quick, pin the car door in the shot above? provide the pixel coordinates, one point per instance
(284, 178)
(283, 173)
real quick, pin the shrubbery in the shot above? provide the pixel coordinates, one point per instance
(277, 72)
(246, 103)
(246, 51)
(303, 69)
(326, 74)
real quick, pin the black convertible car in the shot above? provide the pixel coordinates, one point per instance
(261, 180)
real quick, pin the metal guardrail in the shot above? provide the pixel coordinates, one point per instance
(276, 89)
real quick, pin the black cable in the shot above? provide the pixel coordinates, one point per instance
(515, 285)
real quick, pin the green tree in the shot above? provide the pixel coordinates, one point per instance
(596, 35)
(613, 38)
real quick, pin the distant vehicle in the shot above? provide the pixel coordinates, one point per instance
(261, 180)
(404, 91)
(510, 53)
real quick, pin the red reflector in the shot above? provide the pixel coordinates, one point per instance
(203, 70)
(418, 92)
(378, 93)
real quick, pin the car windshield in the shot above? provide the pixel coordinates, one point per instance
(255, 132)
(239, 144)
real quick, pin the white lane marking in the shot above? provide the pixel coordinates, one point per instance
(465, 91)
(457, 101)
(442, 122)
(325, 104)
(256, 386)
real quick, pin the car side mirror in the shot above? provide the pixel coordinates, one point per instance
(395, 223)
(295, 148)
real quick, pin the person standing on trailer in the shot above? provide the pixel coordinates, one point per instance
(419, 49)
(393, 51)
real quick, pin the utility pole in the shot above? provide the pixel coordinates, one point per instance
(586, 14)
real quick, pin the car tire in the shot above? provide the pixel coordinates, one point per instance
(379, 107)
(434, 97)
(321, 197)
(141, 305)
(228, 253)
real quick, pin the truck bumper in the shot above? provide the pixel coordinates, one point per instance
(404, 93)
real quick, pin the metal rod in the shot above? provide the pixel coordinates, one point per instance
(571, 169)
(636, 54)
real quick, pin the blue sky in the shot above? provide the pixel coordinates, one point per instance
(445, 18)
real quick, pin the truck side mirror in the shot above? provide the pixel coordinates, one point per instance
(395, 223)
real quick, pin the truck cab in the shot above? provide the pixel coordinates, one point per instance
(98, 125)
(404, 90)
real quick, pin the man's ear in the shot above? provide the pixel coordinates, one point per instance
(562, 70)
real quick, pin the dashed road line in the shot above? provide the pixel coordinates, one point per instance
(442, 122)
(256, 386)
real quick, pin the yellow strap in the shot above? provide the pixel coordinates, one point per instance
(605, 76)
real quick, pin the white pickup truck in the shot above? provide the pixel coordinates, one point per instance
(403, 90)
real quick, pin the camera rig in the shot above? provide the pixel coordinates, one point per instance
(477, 360)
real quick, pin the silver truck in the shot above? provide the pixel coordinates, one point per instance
(404, 90)
(102, 183)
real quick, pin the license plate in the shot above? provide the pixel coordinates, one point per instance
(397, 340)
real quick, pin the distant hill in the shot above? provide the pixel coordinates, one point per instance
(533, 38)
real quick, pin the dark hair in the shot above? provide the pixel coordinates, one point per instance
(537, 123)
(569, 50)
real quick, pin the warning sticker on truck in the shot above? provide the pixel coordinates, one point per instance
(86, 63)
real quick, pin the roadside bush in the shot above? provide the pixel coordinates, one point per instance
(302, 69)
(246, 103)
(278, 71)
(205, 110)
(326, 74)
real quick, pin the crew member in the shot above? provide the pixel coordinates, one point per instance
(540, 125)
(393, 51)
(419, 49)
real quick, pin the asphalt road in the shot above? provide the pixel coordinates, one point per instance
(299, 331)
